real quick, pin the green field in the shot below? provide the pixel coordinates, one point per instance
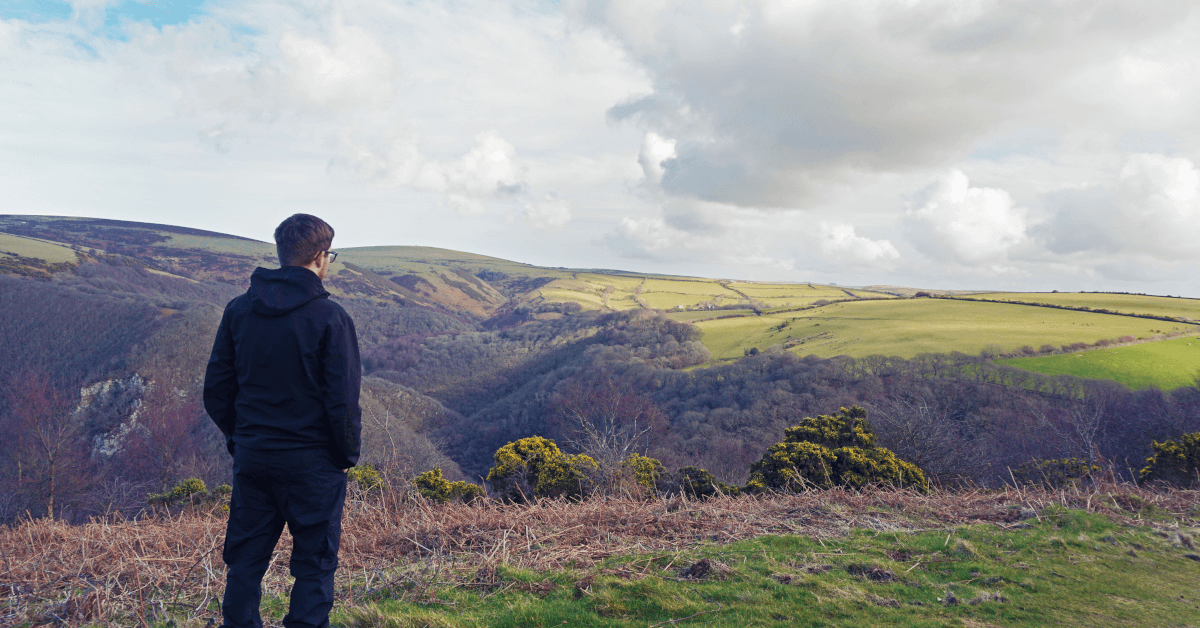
(906, 327)
(666, 294)
(40, 249)
(798, 294)
(236, 246)
(1125, 303)
(417, 259)
(682, 297)
(1167, 365)
(695, 315)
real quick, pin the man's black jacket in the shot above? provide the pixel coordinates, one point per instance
(284, 371)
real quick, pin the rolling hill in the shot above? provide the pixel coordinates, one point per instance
(735, 316)
(109, 324)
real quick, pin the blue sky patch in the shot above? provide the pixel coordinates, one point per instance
(158, 13)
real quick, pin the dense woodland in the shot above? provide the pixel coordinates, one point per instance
(101, 370)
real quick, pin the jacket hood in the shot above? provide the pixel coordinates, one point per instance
(275, 292)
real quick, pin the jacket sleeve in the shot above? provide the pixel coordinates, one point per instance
(221, 383)
(343, 375)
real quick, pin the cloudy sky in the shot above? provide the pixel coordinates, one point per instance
(969, 144)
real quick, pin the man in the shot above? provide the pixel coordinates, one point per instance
(282, 385)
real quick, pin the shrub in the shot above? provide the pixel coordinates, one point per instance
(367, 477)
(647, 472)
(186, 490)
(832, 450)
(191, 490)
(1176, 463)
(535, 466)
(695, 482)
(1054, 472)
(432, 485)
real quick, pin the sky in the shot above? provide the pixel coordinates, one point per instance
(1008, 144)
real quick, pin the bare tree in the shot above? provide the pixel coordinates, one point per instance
(169, 422)
(608, 421)
(44, 443)
(922, 431)
(1080, 424)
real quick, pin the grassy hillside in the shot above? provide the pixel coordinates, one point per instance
(1123, 303)
(906, 327)
(1167, 364)
(509, 292)
(1067, 568)
(51, 252)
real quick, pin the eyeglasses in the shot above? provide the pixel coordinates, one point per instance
(332, 256)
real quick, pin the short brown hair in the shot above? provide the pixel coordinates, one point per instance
(299, 239)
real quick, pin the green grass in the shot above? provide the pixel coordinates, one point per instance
(693, 315)
(417, 259)
(906, 327)
(1168, 364)
(30, 247)
(235, 246)
(1067, 568)
(1125, 303)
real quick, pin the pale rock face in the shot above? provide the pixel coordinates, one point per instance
(109, 412)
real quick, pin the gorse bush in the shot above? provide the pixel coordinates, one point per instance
(190, 491)
(367, 477)
(185, 490)
(433, 486)
(1055, 472)
(1176, 463)
(648, 473)
(832, 450)
(695, 482)
(536, 467)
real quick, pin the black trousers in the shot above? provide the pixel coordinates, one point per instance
(305, 490)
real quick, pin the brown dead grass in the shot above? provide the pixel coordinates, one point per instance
(122, 573)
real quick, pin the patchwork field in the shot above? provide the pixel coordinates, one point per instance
(1124, 303)
(1167, 365)
(799, 294)
(687, 294)
(906, 327)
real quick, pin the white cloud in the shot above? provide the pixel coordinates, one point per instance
(548, 214)
(712, 136)
(1152, 209)
(967, 224)
(353, 69)
(713, 235)
(489, 169)
(779, 104)
(655, 150)
(643, 237)
(840, 243)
